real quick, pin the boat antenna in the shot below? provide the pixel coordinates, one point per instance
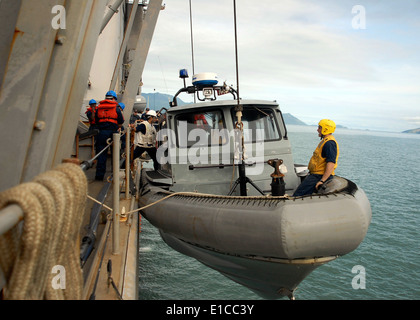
(192, 44)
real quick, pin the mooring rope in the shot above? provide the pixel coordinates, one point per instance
(53, 206)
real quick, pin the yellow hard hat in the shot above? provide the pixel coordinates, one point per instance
(328, 126)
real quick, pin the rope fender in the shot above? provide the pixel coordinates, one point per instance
(53, 206)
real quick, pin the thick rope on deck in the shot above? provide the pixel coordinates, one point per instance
(53, 205)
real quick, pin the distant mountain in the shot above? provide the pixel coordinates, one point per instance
(158, 100)
(412, 131)
(289, 119)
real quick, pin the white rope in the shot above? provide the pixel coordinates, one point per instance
(53, 205)
(98, 202)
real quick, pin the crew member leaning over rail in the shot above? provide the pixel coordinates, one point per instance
(145, 138)
(109, 120)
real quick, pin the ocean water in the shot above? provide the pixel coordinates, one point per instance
(386, 166)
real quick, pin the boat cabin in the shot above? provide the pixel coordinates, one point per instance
(200, 145)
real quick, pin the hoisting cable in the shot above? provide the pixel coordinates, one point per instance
(192, 39)
(239, 133)
(238, 108)
(192, 44)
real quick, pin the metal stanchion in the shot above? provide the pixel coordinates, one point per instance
(116, 194)
(127, 163)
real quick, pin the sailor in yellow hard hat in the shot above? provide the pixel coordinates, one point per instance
(323, 162)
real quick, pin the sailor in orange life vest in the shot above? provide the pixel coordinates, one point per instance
(323, 162)
(145, 137)
(90, 113)
(109, 120)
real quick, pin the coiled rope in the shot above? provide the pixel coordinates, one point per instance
(53, 205)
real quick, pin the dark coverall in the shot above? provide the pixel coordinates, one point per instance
(106, 130)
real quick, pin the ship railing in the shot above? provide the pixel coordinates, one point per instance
(12, 214)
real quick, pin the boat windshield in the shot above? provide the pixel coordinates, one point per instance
(201, 128)
(260, 124)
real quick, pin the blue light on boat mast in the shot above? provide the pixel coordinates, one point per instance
(183, 73)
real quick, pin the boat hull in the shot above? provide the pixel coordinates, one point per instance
(268, 244)
(268, 278)
(285, 229)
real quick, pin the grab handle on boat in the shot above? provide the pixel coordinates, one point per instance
(221, 166)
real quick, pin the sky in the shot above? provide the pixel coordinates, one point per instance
(355, 62)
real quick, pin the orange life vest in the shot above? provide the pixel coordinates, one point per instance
(107, 111)
(92, 118)
(200, 119)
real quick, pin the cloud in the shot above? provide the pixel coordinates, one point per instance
(413, 120)
(304, 54)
